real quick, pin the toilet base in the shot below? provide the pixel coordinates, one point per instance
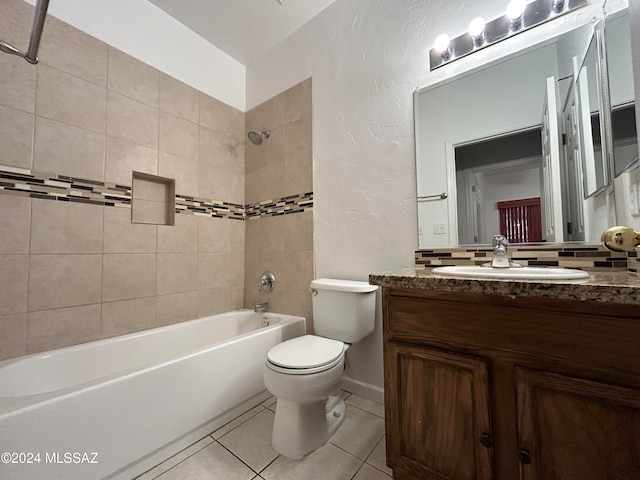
(299, 429)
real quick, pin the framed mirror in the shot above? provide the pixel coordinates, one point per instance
(516, 150)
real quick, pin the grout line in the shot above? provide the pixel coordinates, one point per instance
(247, 465)
(355, 474)
(181, 461)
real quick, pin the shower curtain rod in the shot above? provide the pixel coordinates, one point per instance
(31, 55)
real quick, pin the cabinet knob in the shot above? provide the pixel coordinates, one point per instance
(486, 440)
(524, 456)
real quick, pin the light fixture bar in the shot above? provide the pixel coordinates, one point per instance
(535, 13)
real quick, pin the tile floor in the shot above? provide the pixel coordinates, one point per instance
(241, 450)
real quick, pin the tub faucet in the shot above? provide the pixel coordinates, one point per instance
(267, 284)
(500, 256)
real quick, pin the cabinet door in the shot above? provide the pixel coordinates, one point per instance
(573, 429)
(439, 415)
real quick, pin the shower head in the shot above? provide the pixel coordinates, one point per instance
(256, 137)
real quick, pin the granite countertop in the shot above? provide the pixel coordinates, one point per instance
(611, 287)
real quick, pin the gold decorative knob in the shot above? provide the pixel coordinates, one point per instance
(621, 239)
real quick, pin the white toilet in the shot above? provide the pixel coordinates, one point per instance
(304, 372)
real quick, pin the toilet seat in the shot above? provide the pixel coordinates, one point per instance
(305, 355)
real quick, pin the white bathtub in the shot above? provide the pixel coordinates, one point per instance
(116, 407)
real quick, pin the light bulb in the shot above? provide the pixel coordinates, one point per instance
(558, 6)
(515, 9)
(441, 44)
(476, 30)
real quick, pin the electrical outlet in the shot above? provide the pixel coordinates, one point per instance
(439, 228)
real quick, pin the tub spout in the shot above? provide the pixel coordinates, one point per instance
(262, 307)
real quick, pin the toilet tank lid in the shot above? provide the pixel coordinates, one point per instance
(342, 285)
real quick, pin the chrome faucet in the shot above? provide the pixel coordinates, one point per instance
(262, 307)
(500, 256)
(267, 284)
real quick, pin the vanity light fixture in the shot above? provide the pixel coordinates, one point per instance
(520, 16)
(515, 12)
(476, 30)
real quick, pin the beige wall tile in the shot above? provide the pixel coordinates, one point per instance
(237, 235)
(298, 302)
(212, 182)
(214, 235)
(15, 215)
(124, 157)
(127, 276)
(178, 136)
(266, 116)
(177, 272)
(236, 188)
(69, 99)
(265, 234)
(213, 270)
(16, 137)
(181, 237)
(131, 120)
(13, 335)
(73, 51)
(14, 271)
(234, 270)
(298, 231)
(213, 301)
(237, 297)
(62, 327)
(133, 78)
(67, 150)
(298, 270)
(221, 117)
(221, 150)
(266, 183)
(122, 236)
(297, 101)
(128, 316)
(269, 152)
(179, 98)
(18, 80)
(183, 170)
(57, 281)
(152, 213)
(298, 157)
(16, 18)
(66, 227)
(176, 308)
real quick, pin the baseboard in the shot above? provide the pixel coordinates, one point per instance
(366, 390)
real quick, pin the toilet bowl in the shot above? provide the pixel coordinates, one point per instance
(304, 373)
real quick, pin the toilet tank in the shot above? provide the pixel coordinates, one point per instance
(343, 309)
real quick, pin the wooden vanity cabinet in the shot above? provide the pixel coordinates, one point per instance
(481, 387)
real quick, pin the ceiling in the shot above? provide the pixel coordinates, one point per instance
(244, 29)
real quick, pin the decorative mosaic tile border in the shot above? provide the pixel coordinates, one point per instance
(209, 208)
(592, 256)
(291, 204)
(23, 182)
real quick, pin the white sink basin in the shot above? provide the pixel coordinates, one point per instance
(523, 273)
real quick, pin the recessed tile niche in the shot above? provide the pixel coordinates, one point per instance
(153, 199)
